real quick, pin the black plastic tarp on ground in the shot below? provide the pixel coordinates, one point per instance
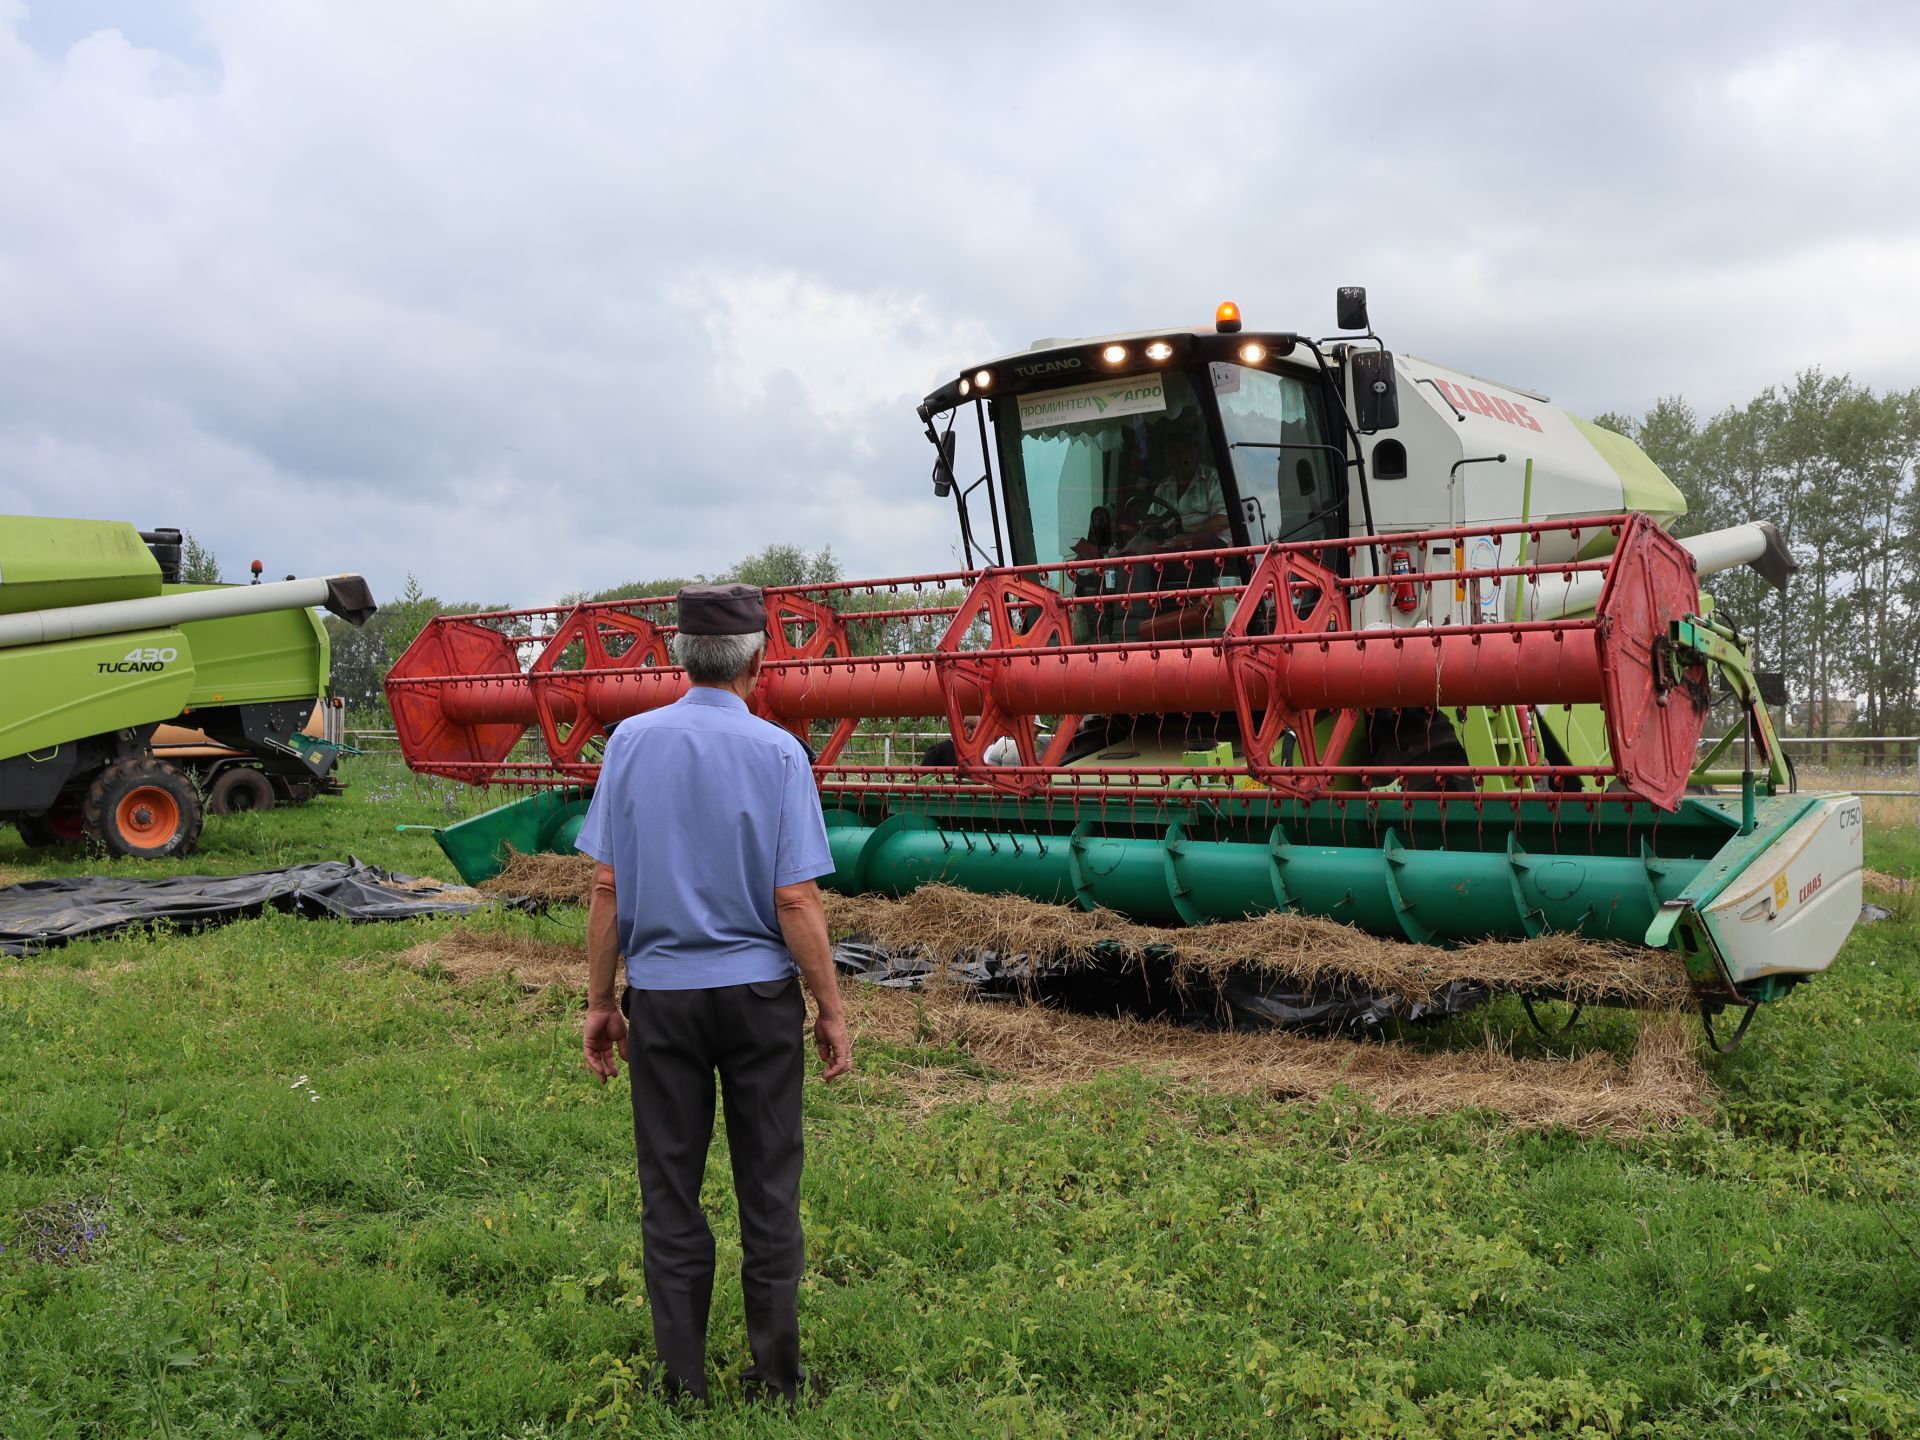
(39, 914)
(1242, 999)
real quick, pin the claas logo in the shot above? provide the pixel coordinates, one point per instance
(1491, 406)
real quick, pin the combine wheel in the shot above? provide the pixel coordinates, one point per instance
(240, 788)
(1707, 1012)
(143, 808)
(56, 827)
(1548, 1030)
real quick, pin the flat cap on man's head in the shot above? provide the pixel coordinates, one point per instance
(722, 610)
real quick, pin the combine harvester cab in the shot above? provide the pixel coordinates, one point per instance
(1252, 623)
(100, 645)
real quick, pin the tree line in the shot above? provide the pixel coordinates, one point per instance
(362, 657)
(1833, 465)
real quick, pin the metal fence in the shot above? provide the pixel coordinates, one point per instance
(891, 747)
(885, 747)
(1875, 760)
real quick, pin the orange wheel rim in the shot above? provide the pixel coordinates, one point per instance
(148, 816)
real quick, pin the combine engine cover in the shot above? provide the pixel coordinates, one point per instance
(1472, 454)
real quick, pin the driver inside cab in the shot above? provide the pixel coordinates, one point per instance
(1188, 510)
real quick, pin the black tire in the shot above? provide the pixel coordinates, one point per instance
(40, 832)
(238, 789)
(143, 808)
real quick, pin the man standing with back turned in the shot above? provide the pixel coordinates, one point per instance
(709, 835)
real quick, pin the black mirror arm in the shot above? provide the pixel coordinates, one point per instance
(1358, 462)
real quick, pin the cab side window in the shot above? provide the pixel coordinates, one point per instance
(1282, 461)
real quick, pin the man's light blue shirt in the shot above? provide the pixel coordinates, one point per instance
(702, 810)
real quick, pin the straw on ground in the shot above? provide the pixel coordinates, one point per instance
(946, 924)
(1030, 1047)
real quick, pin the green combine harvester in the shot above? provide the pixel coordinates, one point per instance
(1251, 622)
(100, 644)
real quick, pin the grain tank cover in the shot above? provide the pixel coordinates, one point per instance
(1454, 423)
(48, 564)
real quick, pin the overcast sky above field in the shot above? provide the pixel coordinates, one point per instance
(534, 297)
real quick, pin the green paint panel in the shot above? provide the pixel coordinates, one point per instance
(46, 564)
(66, 691)
(1643, 484)
(248, 659)
(1581, 733)
(542, 824)
(54, 694)
(1774, 816)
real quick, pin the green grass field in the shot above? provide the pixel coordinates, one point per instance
(270, 1180)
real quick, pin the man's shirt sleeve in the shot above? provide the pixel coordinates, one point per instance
(802, 852)
(592, 839)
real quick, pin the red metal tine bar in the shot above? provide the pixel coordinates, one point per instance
(1290, 666)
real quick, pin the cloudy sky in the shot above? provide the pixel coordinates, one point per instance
(527, 296)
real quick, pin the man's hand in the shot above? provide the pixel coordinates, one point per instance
(835, 1045)
(803, 925)
(605, 1034)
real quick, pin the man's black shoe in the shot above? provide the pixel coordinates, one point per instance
(812, 1391)
(676, 1394)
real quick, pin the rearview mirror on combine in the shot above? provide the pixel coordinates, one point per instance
(1350, 308)
(1376, 394)
(943, 467)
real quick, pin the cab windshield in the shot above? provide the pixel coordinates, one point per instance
(1120, 467)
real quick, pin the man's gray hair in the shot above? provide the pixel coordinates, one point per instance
(716, 659)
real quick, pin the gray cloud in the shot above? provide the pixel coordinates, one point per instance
(527, 298)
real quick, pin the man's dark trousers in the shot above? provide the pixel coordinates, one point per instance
(753, 1035)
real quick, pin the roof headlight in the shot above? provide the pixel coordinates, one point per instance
(1159, 350)
(982, 379)
(1252, 353)
(966, 386)
(1114, 354)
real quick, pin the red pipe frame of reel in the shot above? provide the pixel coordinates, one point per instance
(1290, 666)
